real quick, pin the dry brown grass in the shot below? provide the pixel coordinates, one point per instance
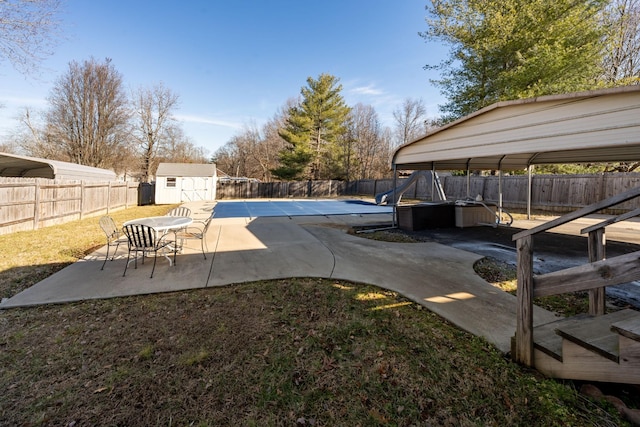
(290, 352)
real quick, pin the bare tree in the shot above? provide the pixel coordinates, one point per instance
(254, 152)
(88, 116)
(368, 144)
(33, 139)
(179, 149)
(621, 63)
(267, 153)
(410, 120)
(28, 31)
(227, 158)
(153, 108)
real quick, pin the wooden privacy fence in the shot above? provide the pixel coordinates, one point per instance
(550, 193)
(279, 190)
(32, 203)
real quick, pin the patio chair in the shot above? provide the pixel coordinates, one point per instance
(179, 211)
(142, 238)
(195, 232)
(114, 237)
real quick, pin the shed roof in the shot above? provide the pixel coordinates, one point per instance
(582, 127)
(12, 165)
(186, 169)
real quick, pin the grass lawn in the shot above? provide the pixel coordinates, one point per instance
(297, 352)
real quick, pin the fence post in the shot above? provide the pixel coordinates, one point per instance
(108, 197)
(36, 205)
(82, 197)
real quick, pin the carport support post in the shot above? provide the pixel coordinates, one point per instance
(499, 195)
(524, 310)
(529, 173)
(393, 195)
(433, 182)
(468, 182)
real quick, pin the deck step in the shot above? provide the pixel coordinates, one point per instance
(629, 328)
(595, 334)
(599, 334)
(548, 341)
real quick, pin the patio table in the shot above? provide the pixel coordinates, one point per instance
(162, 225)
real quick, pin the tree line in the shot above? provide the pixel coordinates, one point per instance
(499, 50)
(91, 120)
(318, 136)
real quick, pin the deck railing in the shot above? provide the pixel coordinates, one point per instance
(594, 276)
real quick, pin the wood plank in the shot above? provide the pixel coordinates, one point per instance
(524, 307)
(547, 340)
(630, 355)
(597, 251)
(609, 272)
(632, 214)
(586, 365)
(582, 364)
(594, 333)
(629, 327)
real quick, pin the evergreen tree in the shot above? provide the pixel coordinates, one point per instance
(314, 130)
(514, 49)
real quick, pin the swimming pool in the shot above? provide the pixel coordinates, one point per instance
(263, 208)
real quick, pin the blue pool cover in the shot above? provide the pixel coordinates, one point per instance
(254, 209)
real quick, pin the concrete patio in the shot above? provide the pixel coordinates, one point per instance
(439, 277)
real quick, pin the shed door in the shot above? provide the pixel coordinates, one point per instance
(194, 189)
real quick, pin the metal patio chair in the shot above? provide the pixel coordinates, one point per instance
(142, 238)
(114, 237)
(179, 211)
(195, 232)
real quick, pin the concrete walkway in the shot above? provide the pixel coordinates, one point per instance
(438, 277)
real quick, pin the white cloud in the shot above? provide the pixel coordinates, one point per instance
(208, 121)
(369, 90)
(19, 102)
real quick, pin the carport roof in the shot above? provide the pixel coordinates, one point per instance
(12, 165)
(582, 127)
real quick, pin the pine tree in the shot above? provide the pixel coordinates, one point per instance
(314, 129)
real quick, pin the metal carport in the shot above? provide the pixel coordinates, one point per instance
(582, 127)
(12, 165)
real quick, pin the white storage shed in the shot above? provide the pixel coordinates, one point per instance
(185, 182)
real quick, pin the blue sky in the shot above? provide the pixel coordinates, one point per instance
(235, 63)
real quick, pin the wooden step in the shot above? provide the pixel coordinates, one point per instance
(595, 333)
(603, 348)
(548, 341)
(629, 327)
